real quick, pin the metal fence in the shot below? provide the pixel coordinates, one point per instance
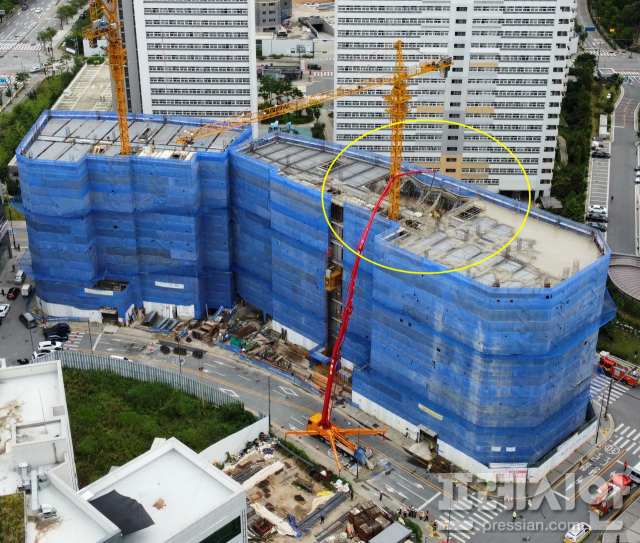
(140, 371)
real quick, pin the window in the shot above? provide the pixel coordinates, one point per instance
(547, 160)
(458, 45)
(456, 81)
(562, 33)
(461, 8)
(452, 160)
(558, 70)
(565, 8)
(556, 93)
(458, 57)
(461, 33)
(450, 170)
(454, 126)
(550, 138)
(226, 533)
(455, 104)
(552, 116)
(546, 171)
(554, 104)
(454, 115)
(457, 69)
(556, 81)
(549, 149)
(564, 21)
(452, 148)
(457, 93)
(452, 138)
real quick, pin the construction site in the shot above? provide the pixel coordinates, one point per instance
(492, 364)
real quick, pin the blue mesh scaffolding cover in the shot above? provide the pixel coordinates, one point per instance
(144, 220)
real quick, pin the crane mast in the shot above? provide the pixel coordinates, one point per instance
(104, 17)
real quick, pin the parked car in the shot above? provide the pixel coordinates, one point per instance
(60, 329)
(57, 337)
(637, 169)
(597, 209)
(598, 226)
(25, 7)
(4, 309)
(600, 154)
(38, 354)
(313, 66)
(13, 293)
(28, 320)
(35, 69)
(19, 278)
(578, 533)
(597, 217)
(50, 346)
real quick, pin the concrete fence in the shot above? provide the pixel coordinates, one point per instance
(142, 372)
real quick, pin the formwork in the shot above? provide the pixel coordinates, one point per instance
(496, 360)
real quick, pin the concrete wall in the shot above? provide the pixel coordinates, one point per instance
(234, 443)
(287, 47)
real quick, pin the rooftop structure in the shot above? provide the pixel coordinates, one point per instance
(495, 361)
(177, 495)
(187, 498)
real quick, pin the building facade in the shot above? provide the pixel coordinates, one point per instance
(496, 360)
(511, 60)
(190, 59)
(271, 13)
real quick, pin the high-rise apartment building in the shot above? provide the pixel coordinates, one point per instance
(271, 13)
(190, 58)
(511, 60)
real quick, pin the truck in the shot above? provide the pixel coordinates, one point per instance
(359, 454)
(611, 494)
(619, 369)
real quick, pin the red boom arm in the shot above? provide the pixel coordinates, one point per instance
(348, 307)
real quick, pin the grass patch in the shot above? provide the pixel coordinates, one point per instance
(15, 214)
(114, 419)
(415, 528)
(618, 342)
(12, 519)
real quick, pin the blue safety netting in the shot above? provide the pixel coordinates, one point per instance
(505, 370)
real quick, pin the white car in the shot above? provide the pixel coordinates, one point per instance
(50, 346)
(577, 533)
(597, 209)
(38, 354)
(4, 309)
(38, 10)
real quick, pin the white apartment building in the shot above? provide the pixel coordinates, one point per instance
(511, 60)
(192, 58)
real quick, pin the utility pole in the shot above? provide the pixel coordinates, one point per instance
(269, 388)
(608, 396)
(358, 463)
(201, 368)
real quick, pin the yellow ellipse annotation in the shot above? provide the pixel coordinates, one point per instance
(426, 272)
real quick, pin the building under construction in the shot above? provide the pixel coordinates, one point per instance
(494, 362)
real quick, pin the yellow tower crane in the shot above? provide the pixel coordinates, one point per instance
(104, 17)
(397, 99)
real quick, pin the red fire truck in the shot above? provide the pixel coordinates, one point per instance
(619, 369)
(611, 494)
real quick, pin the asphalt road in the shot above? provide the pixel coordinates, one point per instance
(621, 234)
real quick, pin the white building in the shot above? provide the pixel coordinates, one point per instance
(192, 59)
(169, 494)
(511, 61)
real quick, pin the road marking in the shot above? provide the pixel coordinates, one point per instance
(278, 392)
(243, 377)
(618, 440)
(229, 392)
(562, 495)
(95, 346)
(417, 485)
(623, 444)
(625, 430)
(221, 374)
(288, 391)
(429, 501)
(636, 451)
(412, 492)
(632, 432)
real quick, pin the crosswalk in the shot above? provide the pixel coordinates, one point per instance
(628, 438)
(601, 53)
(7, 79)
(13, 46)
(600, 389)
(633, 75)
(74, 340)
(467, 516)
(328, 73)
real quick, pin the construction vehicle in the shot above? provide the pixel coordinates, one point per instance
(397, 99)
(619, 369)
(105, 22)
(611, 494)
(319, 424)
(287, 128)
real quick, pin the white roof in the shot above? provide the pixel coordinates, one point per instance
(174, 474)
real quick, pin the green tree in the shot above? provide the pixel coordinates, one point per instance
(8, 92)
(268, 87)
(46, 35)
(317, 131)
(65, 58)
(78, 4)
(64, 13)
(22, 77)
(573, 209)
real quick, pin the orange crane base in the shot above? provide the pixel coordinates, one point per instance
(333, 434)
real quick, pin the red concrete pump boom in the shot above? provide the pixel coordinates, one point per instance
(320, 424)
